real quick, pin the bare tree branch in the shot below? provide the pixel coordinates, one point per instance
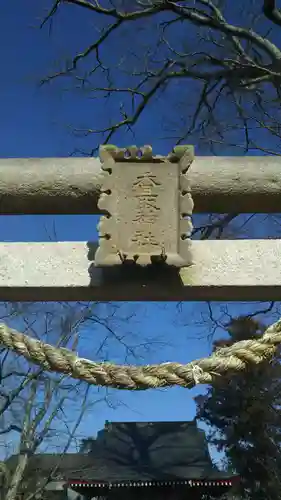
(271, 12)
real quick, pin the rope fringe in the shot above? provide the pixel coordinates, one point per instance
(202, 371)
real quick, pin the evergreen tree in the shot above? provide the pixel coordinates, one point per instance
(243, 413)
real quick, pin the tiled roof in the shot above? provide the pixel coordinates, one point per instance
(138, 454)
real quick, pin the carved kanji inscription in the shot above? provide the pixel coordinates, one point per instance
(149, 207)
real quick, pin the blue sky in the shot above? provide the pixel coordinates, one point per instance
(36, 122)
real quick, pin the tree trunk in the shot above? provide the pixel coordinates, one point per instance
(17, 477)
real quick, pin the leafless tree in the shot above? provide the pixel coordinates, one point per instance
(218, 60)
(42, 411)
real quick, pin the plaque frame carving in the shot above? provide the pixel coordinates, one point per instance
(148, 205)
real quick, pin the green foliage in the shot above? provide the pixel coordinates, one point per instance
(244, 414)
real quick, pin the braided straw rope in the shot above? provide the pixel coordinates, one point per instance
(202, 371)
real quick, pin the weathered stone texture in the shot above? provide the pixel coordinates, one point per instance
(149, 206)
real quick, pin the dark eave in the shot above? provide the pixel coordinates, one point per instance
(144, 484)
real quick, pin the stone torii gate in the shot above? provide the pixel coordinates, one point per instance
(144, 251)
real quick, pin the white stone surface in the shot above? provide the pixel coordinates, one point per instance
(222, 270)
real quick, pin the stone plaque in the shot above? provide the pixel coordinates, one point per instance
(148, 204)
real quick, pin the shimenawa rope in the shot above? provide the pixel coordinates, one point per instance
(202, 371)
